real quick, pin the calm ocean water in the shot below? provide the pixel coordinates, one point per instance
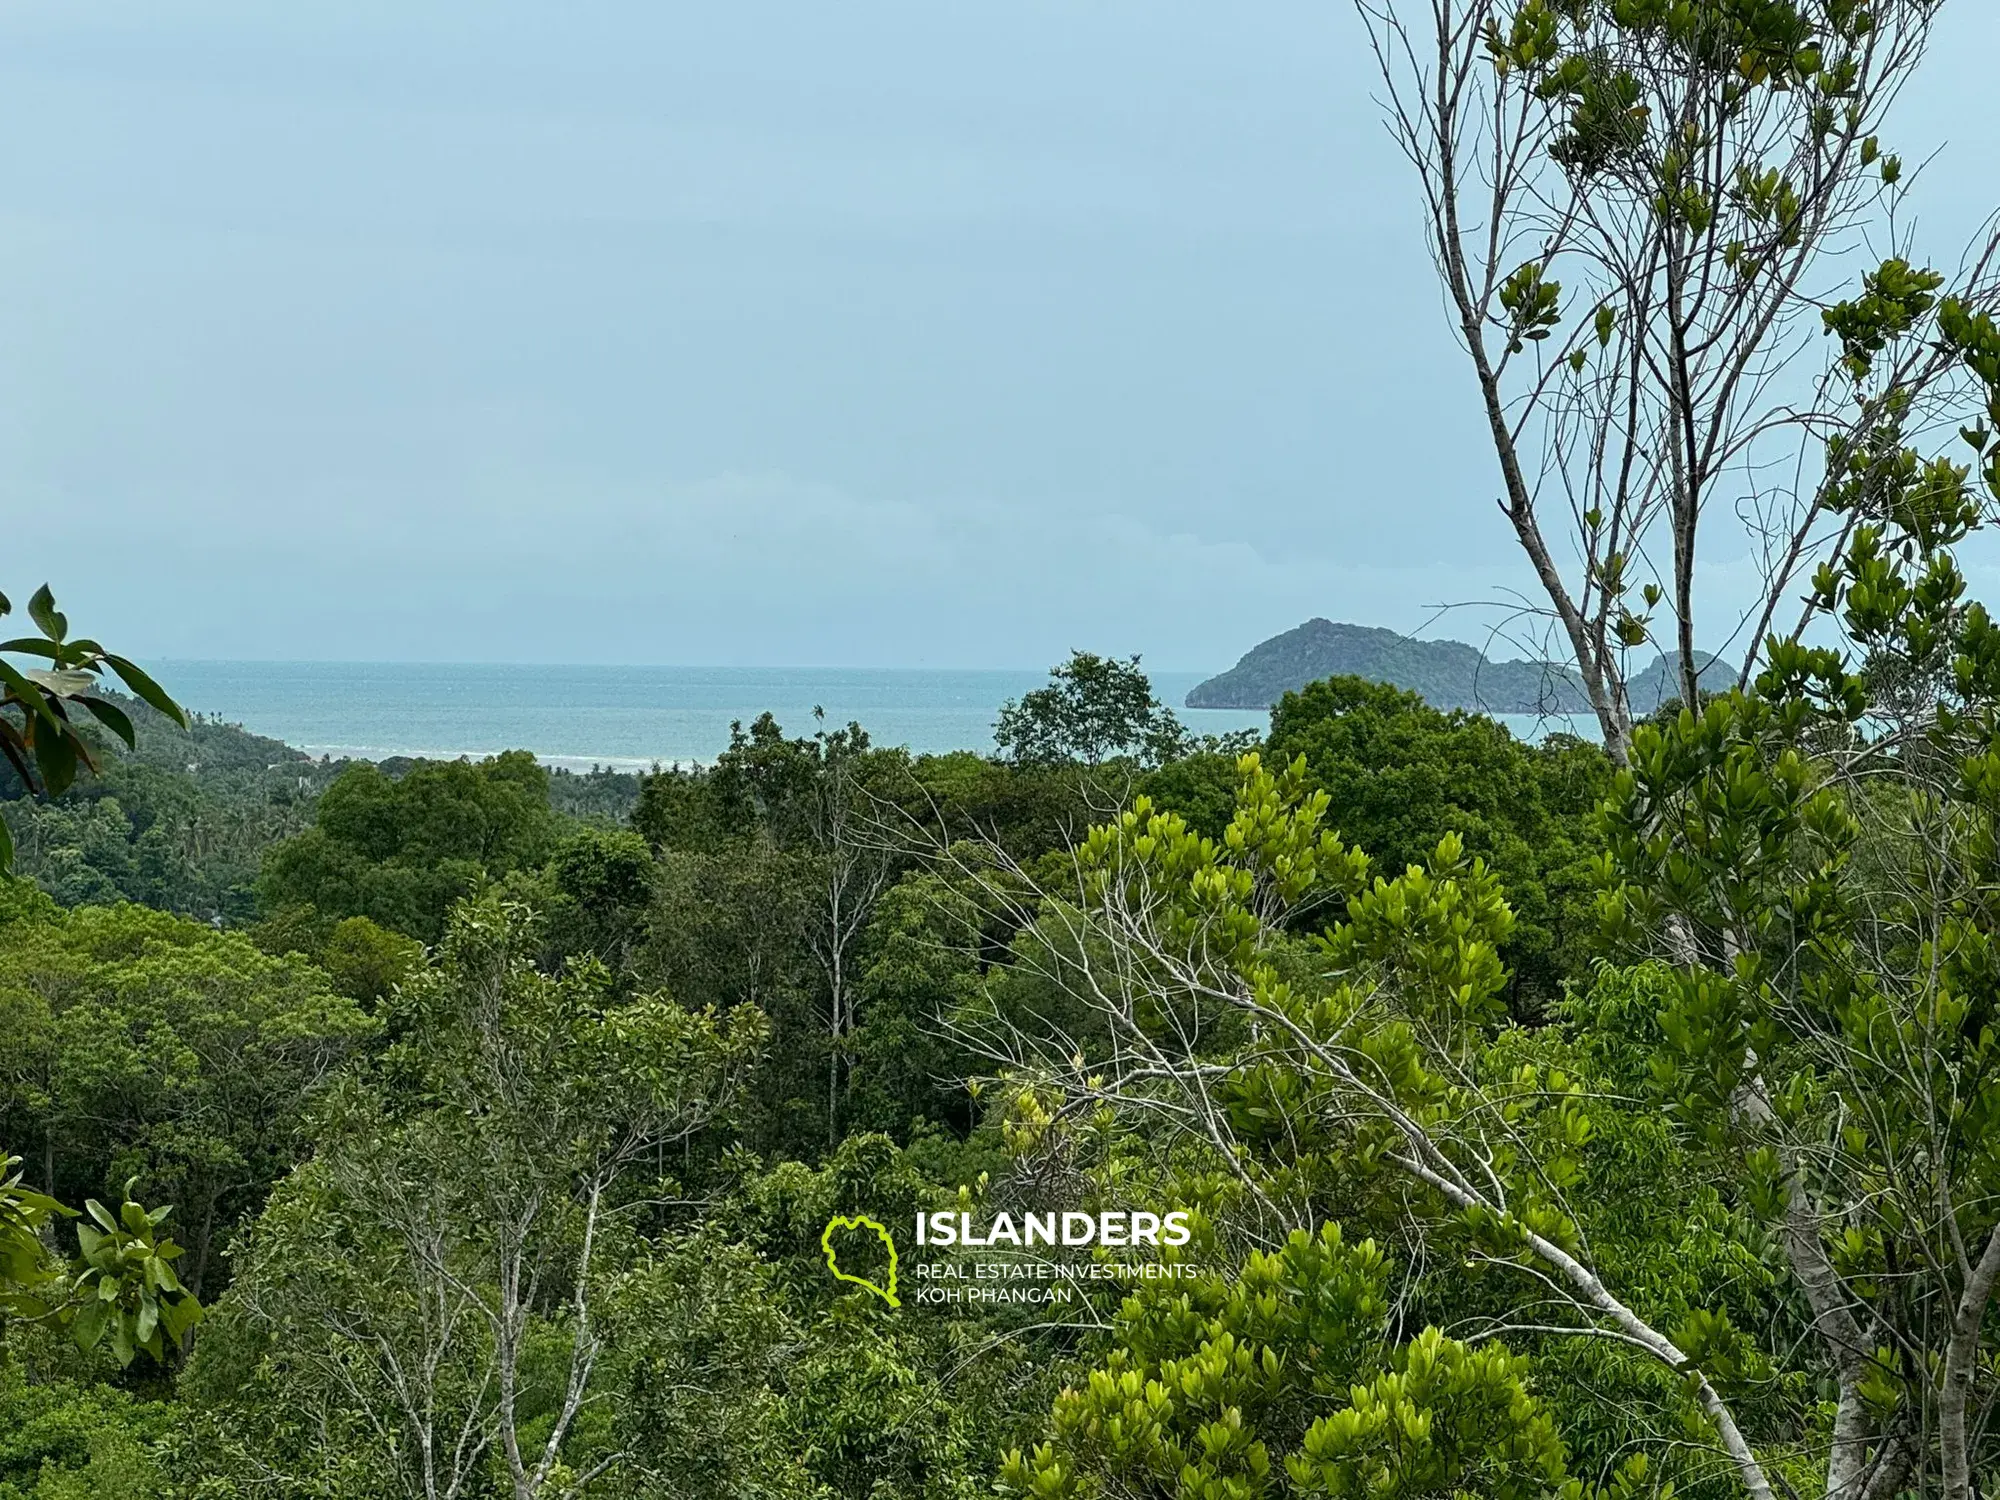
(625, 717)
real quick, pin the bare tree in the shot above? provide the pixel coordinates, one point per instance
(1639, 214)
(852, 866)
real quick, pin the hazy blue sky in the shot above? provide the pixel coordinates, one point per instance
(738, 332)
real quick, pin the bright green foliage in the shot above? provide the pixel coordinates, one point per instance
(23, 1212)
(1894, 297)
(1634, 205)
(124, 1293)
(64, 1440)
(400, 851)
(1279, 1381)
(1436, 931)
(1368, 1073)
(1607, 65)
(1450, 1420)
(1094, 708)
(1533, 305)
(365, 962)
(1361, 1025)
(1399, 776)
(129, 1294)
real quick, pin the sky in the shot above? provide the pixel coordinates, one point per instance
(887, 333)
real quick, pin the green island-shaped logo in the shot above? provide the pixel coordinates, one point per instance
(861, 1221)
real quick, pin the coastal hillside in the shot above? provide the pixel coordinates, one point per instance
(1446, 674)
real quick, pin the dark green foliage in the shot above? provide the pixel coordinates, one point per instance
(793, 871)
(1095, 708)
(501, 1157)
(137, 1043)
(400, 851)
(909, 1403)
(599, 795)
(1026, 809)
(1200, 787)
(1401, 775)
(918, 967)
(601, 884)
(701, 1357)
(362, 960)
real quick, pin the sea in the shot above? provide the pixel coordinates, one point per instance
(618, 717)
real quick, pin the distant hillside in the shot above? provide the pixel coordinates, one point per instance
(1447, 674)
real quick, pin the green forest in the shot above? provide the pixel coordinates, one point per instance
(1577, 1118)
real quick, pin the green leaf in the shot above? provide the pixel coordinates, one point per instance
(112, 717)
(147, 689)
(121, 1341)
(34, 645)
(55, 758)
(179, 1316)
(89, 1325)
(42, 610)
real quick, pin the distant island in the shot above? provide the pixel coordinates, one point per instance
(1447, 674)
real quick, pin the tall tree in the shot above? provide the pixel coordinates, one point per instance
(1813, 864)
(1094, 708)
(1638, 209)
(797, 827)
(853, 863)
(425, 1300)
